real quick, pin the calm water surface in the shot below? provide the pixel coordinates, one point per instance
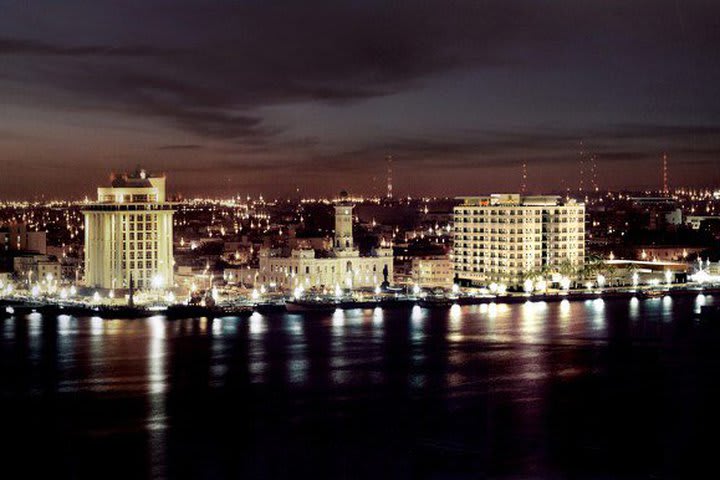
(596, 389)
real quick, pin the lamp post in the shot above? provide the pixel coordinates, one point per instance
(157, 283)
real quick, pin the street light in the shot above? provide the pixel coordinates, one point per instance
(157, 282)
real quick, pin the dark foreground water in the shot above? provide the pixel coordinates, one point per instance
(597, 389)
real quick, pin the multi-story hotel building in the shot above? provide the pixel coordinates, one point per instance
(342, 266)
(506, 238)
(128, 233)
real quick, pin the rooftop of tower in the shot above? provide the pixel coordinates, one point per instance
(139, 178)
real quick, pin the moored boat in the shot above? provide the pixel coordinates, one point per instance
(436, 302)
(299, 306)
(270, 307)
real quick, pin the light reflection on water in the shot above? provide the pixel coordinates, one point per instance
(634, 308)
(156, 420)
(498, 349)
(258, 360)
(667, 308)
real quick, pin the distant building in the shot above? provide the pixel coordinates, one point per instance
(432, 272)
(129, 232)
(655, 211)
(674, 217)
(36, 267)
(696, 221)
(16, 238)
(340, 266)
(667, 253)
(503, 238)
(241, 276)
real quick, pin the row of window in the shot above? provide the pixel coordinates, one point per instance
(483, 258)
(149, 254)
(512, 231)
(140, 236)
(495, 242)
(137, 245)
(139, 264)
(465, 249)
(139, 226)
(512, 221)
(322, 269)
(518, 211)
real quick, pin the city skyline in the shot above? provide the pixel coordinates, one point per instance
(250, 98)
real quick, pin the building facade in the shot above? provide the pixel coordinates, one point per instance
(432, 272)
(506, 238)
(16, 237)
(341, 266)
(129, 233)
(36, 267)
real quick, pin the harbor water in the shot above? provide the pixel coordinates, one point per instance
(621, 388)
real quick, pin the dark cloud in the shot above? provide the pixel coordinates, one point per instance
(210, 73)
(13, 46)
(188, 146)
(205, 67)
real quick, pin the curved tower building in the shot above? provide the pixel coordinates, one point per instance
(129, 233)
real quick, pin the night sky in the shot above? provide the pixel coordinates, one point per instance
(266, 97)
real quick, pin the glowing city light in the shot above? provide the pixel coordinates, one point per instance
(157, 282)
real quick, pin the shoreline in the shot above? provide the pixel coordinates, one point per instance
(10, 308)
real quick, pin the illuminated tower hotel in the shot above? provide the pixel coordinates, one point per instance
(505, 238)
(128, 232)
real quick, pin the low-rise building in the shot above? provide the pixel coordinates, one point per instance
(36, 267)
(340, 266)
(241, 276)
(668, 253)
(432, 272)
(17, 238)
(696, 221)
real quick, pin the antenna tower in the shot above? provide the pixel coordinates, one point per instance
(389, 194)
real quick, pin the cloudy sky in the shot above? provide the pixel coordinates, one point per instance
(260, 96)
